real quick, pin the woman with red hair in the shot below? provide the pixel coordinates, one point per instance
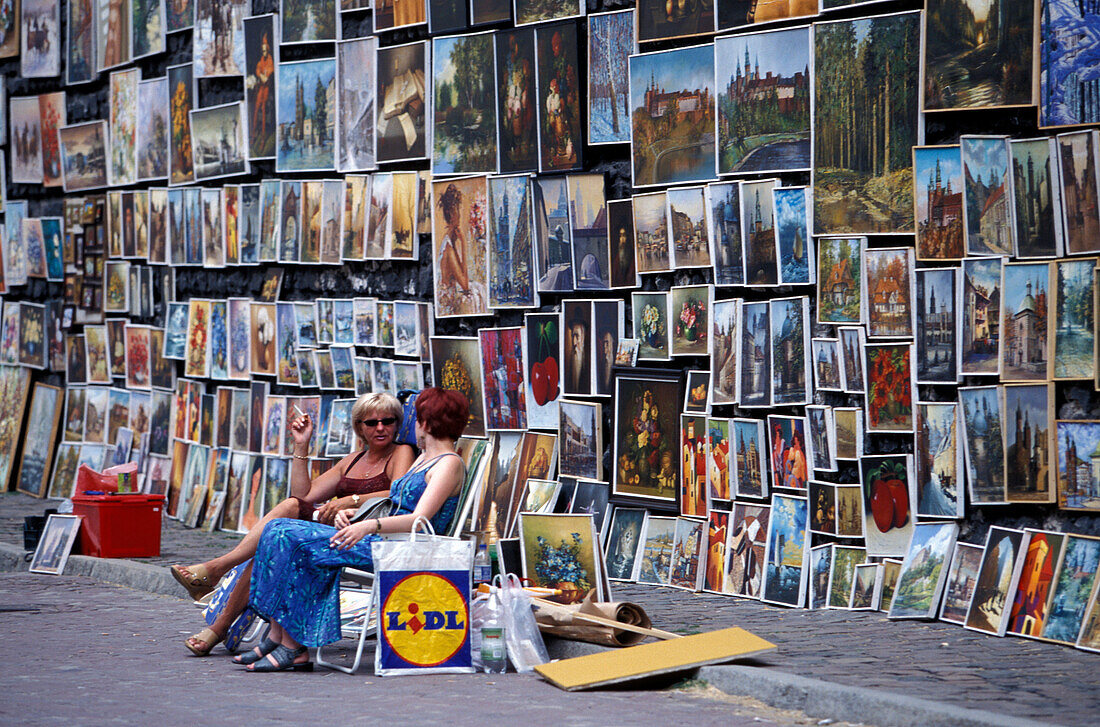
(295, 574)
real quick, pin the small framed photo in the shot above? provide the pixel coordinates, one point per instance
(56, 544)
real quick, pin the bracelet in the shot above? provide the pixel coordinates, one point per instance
(301, 456)
(377, 525)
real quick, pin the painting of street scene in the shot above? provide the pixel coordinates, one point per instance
(1078, 465)
(785, 558)
(938, 191)
(1024, 323)
(763, 112)
(987, 172)
(306, 116)
(938, 460)
(865, 123)
(1073, 319)
(978, 53)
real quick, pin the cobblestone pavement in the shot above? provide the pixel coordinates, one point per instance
(925, 660)
(91, 653)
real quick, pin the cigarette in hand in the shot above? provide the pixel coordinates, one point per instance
(298, 411)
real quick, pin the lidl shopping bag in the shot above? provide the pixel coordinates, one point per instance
(423, 588)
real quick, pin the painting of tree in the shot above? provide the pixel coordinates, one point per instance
(866, 81)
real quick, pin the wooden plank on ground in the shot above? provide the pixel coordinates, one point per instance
(653, 659)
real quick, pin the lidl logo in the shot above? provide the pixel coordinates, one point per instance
(425, 617)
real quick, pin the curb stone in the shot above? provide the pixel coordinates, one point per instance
(830, 700)
(815, 697)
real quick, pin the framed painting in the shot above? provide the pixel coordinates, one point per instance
(464, 125)
(559, 97)
(858, 145)
(39, 440)
(938, 199)
(55, 545)
(647, 465)
(998, 575)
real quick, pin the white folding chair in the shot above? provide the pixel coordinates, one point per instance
(358, 616)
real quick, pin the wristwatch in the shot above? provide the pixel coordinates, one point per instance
(355, 500)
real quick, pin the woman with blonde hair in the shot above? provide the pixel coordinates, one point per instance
(359, 476)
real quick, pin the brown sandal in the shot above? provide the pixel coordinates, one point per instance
(208, 638)
(196, 580)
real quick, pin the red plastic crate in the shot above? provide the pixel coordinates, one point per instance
(119, 526)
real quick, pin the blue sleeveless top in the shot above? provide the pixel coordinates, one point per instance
(407, 490)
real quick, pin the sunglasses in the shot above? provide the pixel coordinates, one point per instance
(372, 423)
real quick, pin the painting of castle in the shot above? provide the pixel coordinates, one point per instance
(763, 112)
(672, 116)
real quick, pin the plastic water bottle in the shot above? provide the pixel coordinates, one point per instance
(483, 569)
(494, 653)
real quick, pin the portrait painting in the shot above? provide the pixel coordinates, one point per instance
(260, 53)
(1073, 582)
(51, 109)
(763, 113)
(790, 344)
(623, 541)
(56, 543)
(888, 284)
(622, 261)
(459, 227)
(39, 439)
(1064, 33)
(754, 386)
(672, 146)
(219, 37)
(859, 147)
(690, 245)
(938, 461)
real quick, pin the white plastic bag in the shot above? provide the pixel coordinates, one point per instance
(423, 586)
(526, 648)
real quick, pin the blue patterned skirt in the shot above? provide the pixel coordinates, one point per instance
(296, 578)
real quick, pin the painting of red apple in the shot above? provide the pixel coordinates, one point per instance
(888, 494)
(541, 351)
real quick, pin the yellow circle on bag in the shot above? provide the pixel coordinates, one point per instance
(424, 619)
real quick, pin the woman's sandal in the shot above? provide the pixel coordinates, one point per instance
(195, 579)
(284, 657)
(266, 647)
(208, 637)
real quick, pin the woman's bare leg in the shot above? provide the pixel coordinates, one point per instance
(234, 606)
(245, 549)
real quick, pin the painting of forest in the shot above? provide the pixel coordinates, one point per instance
(866, 77)
(465, 105)
(978, 53)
